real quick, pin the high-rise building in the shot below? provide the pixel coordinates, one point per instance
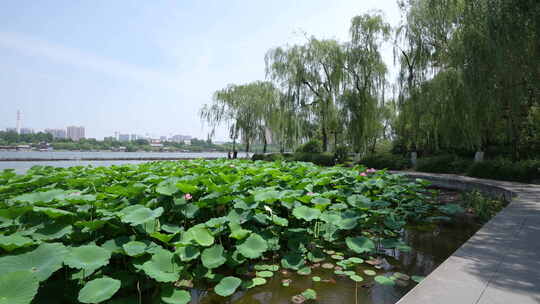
(180, 138)
(134, 137)
(57, 133)
(123, 137)
(75, 132)
(18, 122)
(26, 131)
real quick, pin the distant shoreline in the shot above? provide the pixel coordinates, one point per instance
(104, 159)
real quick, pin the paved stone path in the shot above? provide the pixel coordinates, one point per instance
(500, 264)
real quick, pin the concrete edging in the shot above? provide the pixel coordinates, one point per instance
(501, 262)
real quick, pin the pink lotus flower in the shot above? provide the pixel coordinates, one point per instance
(310, 193)
(187, 196)
(371, 170)
(363, 174)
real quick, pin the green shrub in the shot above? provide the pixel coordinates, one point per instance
(321, 159)
(257, 156)
(505, 169)
(443, 164)
(274, 157)
(312, 146)
(386, 161)
(341, 154)
(484, 207)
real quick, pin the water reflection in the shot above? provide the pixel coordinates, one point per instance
(431, 245)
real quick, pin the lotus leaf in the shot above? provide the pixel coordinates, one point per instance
(172, 295)
(201, 235)
(370, 272)
(227, 286)
(52, 212)
(162, 267)
(384, 280)
(360, 244)
(141, 215)
(253, 247)
(53, 231)
(42, 261)
(309, 294)
(134, 248)
(187, 253)
(237, 232)
(41, 197)
(99, 290)
(355, 260)
(316, 279)
(417, 279)
(18, 287)
(292, 261)
(283, 222)
(167, 187)
(306, 213)
(269, 196)
(304, 271)
(356, 278)
(264, 274)
(213, 257)
(14, 241)
(88, 257)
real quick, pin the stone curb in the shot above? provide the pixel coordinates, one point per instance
(501, 262)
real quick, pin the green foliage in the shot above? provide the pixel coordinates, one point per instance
(312, 146)
(341, 154)
(483, 207)
(131, 225)
(321, 159)
(443, 164)
(99, 290)
(386, 161)
(18, 287)
(504, 169)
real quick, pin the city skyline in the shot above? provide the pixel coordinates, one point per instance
(63, 132)
(148, 67)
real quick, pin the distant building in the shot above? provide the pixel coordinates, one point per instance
(134, 137)
(11, 130)
(75, 132)
(26, 131)
(180, 138)
(187, 142)
(123, 137)
(57, 133)
(163, 138)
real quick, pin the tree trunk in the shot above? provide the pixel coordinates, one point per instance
(324, 139)
(265, 144)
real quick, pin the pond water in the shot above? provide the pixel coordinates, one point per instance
(128, 158)
(431, 245)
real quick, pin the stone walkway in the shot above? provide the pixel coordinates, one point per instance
(500, 263)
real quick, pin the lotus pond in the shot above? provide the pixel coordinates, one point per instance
(217, 232)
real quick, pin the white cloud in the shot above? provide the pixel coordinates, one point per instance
(58, 53)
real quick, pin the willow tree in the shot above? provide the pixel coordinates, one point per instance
(311, 74)
(469, 74)
(434, 111)
(247, 110)
(502, 70)
(364, 81)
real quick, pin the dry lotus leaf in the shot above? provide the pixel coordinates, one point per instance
(327, 265)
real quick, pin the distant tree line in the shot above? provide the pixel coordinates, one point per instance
(469, 80)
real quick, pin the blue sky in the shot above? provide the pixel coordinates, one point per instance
(147, 66)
